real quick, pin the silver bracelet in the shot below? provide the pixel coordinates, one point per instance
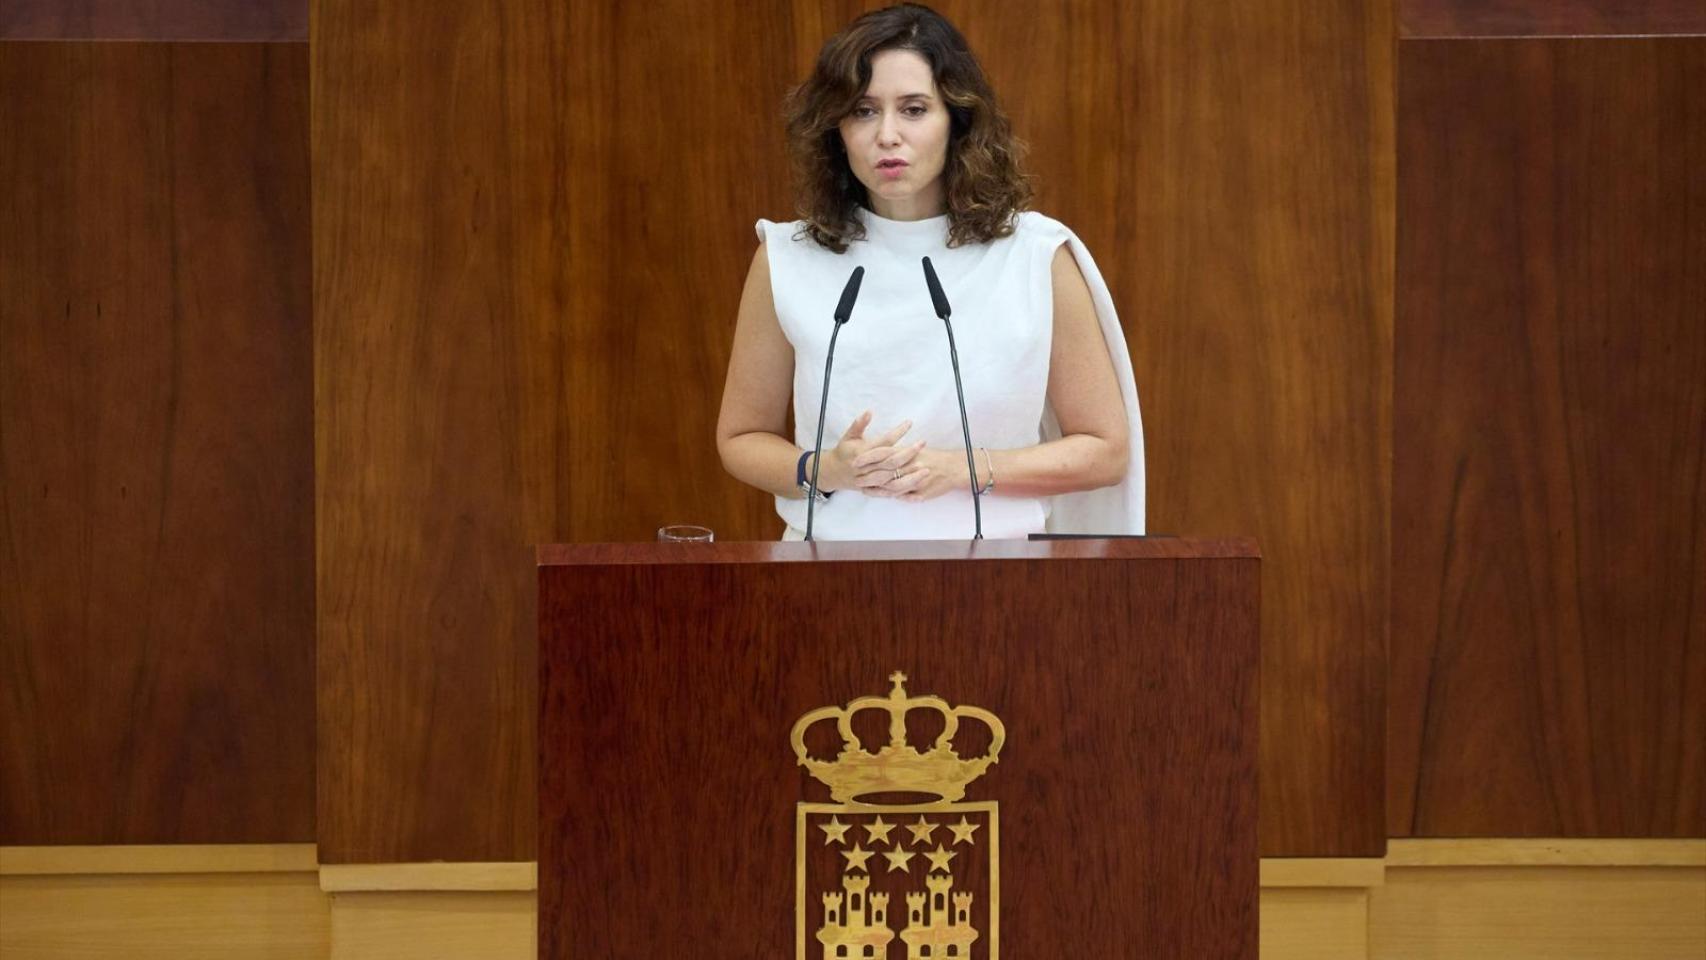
(989, 462)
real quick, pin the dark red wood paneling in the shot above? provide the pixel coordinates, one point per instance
(1549, 508)
(1126, 784)
(156, 445)
(230, 20)
(1536, 18)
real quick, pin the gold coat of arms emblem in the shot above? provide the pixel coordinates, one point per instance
(899, 864)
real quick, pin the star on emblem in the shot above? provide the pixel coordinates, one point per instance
(939, 859)
(899, 860)
(878, 832)
(834, 831)
(922, 830)
(856, 858)
(963, 831)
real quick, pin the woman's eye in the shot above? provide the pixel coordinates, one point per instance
(915, 111)
(863, 113)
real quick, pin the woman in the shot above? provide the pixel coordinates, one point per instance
(901, 152)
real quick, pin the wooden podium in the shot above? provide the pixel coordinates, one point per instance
(1115, 680)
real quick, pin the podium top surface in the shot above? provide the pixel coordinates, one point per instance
(768, 551)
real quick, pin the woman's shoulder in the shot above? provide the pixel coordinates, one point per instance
(777, 231)
(1041, 228)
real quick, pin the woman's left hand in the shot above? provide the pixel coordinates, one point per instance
(941, 471)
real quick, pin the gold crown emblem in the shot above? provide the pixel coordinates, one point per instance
(898, 767)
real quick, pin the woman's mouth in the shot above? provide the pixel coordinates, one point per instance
(891, 169)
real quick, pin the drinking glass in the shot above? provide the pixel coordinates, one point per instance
(685, 533)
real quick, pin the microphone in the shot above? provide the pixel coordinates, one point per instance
(843, 311)
(940, 301)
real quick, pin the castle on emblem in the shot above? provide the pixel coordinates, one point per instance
(932, 930)
(855, 925)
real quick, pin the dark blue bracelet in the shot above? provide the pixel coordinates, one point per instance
(804, 483)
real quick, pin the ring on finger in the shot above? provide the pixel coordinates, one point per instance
(897, 474)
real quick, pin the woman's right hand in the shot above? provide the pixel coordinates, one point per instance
(875, 468)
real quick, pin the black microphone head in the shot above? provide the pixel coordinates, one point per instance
(849, 293)
(937, 297)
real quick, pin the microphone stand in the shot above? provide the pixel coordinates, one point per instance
(843, 311)
(940, 301)
(817, 455)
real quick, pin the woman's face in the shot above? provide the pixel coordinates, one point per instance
(897, 138)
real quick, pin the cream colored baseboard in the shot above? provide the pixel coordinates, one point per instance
(430, 925)
(1314, 923)
(420, 877)
(1558, 900)
(248, 902)
(427, 911)
(1317, 908)
(1427, 900)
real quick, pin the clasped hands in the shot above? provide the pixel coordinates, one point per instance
(886, 467)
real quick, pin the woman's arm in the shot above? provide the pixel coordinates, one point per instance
(756, 393)
(1094, 446)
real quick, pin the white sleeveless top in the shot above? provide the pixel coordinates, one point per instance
(892, 358)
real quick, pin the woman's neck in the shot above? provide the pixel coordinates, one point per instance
(920, 206)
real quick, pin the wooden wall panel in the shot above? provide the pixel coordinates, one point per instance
(663, 193)
(1237, 197)
(1549, 508)
(281, 20)
(1534, 18)
(528, 271)
(441, 332)
(522, 333)
(156, 579)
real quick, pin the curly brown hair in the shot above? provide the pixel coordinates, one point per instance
(985, 186)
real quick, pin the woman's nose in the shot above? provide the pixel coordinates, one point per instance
(888, 131)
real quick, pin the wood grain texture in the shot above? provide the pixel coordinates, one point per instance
(1314, 924)
(772, 551)
(434, 926)
(1548, 852)
(229, 20)
(134, 858)
(1549, 509)
(1229, 166)
(1127, 784)
(1539, 913)
(442, 334)
(508, 875)
(1538, 18)
(1231, 169)
(529, 268)
(156, 458)
(663, 192)
(227, 916)
(523, 331)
